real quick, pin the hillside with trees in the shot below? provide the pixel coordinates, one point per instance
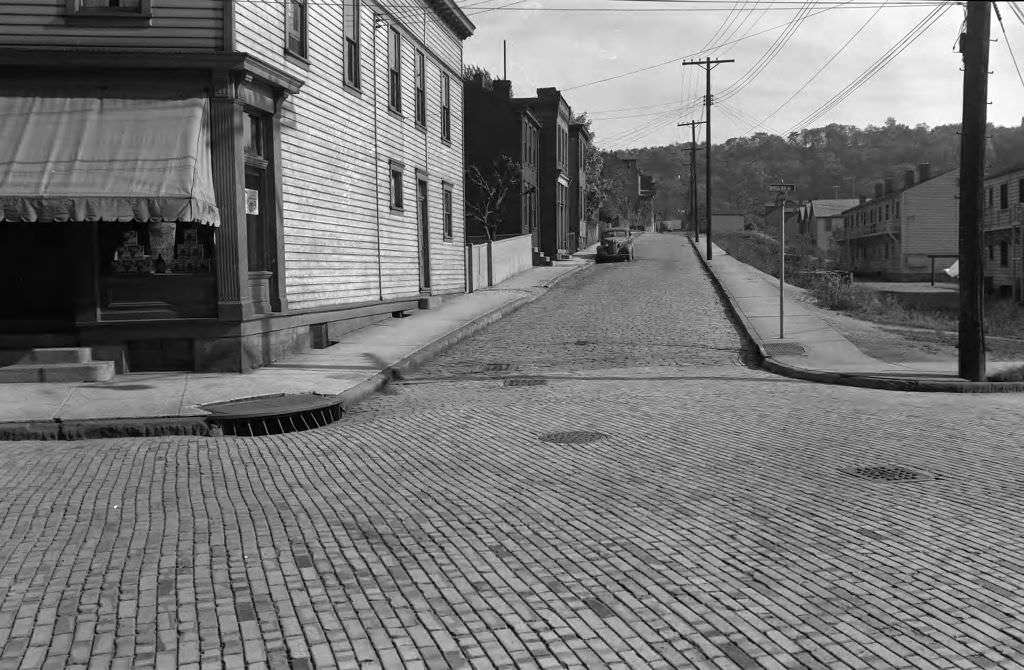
(821, 162)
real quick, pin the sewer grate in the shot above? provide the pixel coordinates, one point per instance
(525, 381)
(889, 473)
(497, 367)
(573, 437)
(275, 414)
(784, 349)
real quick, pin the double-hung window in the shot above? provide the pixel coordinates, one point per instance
(446, 107)
(351, 10)
(395, 71)
(1004, 196)
(421, 89)
(397, 175)
(446, 200)
(295, 27)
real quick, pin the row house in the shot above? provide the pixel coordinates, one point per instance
(897, 234)
(212, 184)
(1003, 200)
(496, 126)
(819, 218)
(538, 133)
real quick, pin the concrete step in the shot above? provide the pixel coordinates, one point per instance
(45, 355)
(94, 371)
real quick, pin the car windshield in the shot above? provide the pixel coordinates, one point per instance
(616, 233)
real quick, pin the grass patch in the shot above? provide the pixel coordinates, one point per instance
(1003, 317)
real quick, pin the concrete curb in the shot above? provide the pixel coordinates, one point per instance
(878, 382)
(87, 429)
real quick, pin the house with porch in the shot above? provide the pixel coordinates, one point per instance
(1003, 199)
(210, 185)
(896, 234)
(819, 218)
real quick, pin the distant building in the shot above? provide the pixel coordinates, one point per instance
(579, 141)
(896, 234)
(819, 218)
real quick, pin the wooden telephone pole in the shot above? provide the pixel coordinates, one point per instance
(974, 46)
(693, 175)
(708, 65)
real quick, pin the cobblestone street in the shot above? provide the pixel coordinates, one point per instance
(651, 502)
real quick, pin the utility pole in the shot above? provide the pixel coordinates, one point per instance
(693, 175)
(708, 65)
(783, 190)
(974, 47)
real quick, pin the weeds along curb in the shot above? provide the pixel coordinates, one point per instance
(879, 382)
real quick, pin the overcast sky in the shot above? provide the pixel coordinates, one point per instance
(571, 49)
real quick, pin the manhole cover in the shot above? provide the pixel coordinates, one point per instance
(784, 349)
(889, 473)
(525, 381)
(497, 367)
(573, 437)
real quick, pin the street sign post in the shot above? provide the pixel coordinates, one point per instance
(784, 190)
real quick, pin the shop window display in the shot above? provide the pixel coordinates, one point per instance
(138, 248)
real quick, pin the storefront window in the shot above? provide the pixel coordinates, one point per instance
(160, 247)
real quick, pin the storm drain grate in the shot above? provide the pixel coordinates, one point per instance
(497, 367)
(784, 349)
(573, 437)
(525, 381)
(274, 415)
(889, 473)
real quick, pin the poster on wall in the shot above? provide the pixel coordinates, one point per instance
(252, 201)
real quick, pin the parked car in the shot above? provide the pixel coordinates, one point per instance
(616, 244)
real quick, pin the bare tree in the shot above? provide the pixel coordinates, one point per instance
(489, 191)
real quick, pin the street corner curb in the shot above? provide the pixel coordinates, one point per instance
(94, 429)
(397, 371)
(882, 383)
(747, 330)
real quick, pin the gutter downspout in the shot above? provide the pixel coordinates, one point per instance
(376, 157)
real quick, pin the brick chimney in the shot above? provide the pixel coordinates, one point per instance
(888, 185)
(503, 88)
(908, 178)
(924, 171)
(879, 189)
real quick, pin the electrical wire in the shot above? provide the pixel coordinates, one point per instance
(699, 53)
(818, 71)
(1007, 40)
(767, 57)
(901, 45)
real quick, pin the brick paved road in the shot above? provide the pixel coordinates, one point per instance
(432, 528)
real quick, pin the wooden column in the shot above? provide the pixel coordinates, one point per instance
(226, 117)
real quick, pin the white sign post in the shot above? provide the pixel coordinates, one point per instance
(784, 189)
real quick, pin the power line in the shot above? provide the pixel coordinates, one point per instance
(819, 70)
(767, 57)
(1006, 39)
(909, 38)
(698, 53)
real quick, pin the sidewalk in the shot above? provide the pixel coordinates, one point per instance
(814, 350)
(352, 369)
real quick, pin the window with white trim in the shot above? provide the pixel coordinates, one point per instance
(421, 89)
(446, 199)
(295, 27)
(351, 12)
(397, 176)
(446, 107)
(395, 71)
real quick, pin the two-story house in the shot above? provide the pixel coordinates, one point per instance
(212, 184)
(496, 126)
(579, 141)
(819, 218)
(1004, 211)
(554, 179)
(896, 234)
